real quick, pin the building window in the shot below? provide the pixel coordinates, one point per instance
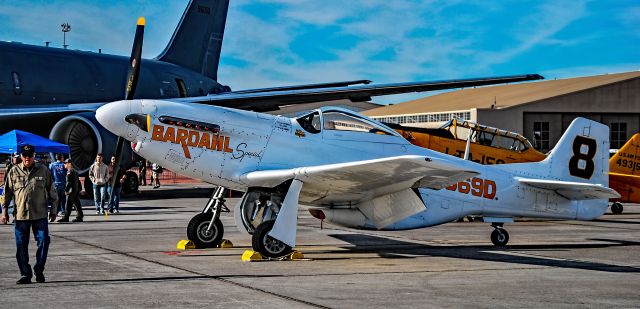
(424, 118)
(618, 134)
(541, 136)
(17, 84)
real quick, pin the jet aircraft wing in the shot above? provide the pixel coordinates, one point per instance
(34, 110)
(572, 190)
(269, 100)
(362, 180)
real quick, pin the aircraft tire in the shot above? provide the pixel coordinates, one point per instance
(266, 245)
(616, 208)
(499, 237)
(197, 231)
(131, 184)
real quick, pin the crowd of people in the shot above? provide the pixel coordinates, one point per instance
(38, 193)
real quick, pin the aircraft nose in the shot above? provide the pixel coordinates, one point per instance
(112, 117)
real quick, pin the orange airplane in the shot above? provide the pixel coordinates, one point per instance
(624, 174)
(490, 145)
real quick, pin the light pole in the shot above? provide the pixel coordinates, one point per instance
(65, 28)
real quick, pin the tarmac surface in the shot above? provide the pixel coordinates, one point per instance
(130, 260)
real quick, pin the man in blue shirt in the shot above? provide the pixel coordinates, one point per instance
(59, 173)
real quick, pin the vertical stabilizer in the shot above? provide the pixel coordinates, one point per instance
(582, 153)
(197, 42)
(627, 160)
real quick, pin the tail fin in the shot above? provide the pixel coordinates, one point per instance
(582, 154)
(627, 160)
(197, 42)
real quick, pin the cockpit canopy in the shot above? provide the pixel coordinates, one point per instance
(341, 120)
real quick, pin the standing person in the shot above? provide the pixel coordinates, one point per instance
(142, 172)
(114, 201)
(98, 173)
(31, 186)
(156, 170)
(15, 160)
(72, 190)
(59, 173)
(149, 166)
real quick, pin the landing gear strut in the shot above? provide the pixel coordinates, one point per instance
(499, 236)
(205, 229)
(616, 208)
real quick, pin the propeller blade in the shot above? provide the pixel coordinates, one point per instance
(132, 82)
(134, 61)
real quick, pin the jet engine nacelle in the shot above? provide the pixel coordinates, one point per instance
(86, 138)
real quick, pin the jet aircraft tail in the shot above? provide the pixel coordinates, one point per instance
(197, 41)
(627, 160)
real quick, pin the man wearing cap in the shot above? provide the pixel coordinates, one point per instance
(31, 186)
(72, 191)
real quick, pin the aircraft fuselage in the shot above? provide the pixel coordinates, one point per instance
(36, 75)
(239, 142)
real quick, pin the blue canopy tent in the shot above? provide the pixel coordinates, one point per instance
(11, 142)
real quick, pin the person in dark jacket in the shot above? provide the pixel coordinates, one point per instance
(72, 191)
(59, 178)
(114, 201)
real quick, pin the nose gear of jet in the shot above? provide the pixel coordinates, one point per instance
(499, 236)
(616, 208)
(267, 245)
(205, 229)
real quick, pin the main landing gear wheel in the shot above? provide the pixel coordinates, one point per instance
(616, 208)
(131, 183)
(198, 231)
(267, 245)
(499, 237)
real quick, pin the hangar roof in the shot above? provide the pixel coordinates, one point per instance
(504, 96)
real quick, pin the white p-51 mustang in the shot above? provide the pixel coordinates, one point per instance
(353, 171)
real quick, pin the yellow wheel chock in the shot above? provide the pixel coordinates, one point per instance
(252, 256)
(188, 244)
(185, 245)
(225, 244)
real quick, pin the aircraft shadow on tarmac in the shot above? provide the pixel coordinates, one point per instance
(391, 248)
(616, 221)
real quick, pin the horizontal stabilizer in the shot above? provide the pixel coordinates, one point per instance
(572, 190)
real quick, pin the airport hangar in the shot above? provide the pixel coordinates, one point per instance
(545, 107)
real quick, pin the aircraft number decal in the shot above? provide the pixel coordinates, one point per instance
(630, 164)
(476, 186)
(587, 170)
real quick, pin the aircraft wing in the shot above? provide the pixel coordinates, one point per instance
(363, 180)
(270, 99)
(31, 110)
(572, 190)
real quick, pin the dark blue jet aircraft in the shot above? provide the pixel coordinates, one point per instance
(55, 92)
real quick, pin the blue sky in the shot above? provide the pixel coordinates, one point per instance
(283, 42)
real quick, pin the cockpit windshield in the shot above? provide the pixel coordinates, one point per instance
(334, 120)
(310, 122)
